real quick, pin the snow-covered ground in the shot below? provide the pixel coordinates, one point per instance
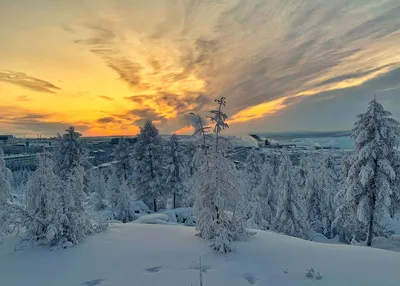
(145, 255)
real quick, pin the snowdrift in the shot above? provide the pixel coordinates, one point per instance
(157, 255)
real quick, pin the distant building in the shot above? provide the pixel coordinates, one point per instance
(130, 140)
(21, 161)
(7, 139)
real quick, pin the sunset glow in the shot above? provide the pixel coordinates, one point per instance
(105, 66)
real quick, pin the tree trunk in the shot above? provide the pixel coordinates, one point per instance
(371, 221)
(155, 204)
(174, 201)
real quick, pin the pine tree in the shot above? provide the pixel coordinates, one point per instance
(123, 209)
(148, 167)
(267, 193)
(217, 189)
(253, 171)
(70, 154)
(395, 197)
(43, 203)
(100, 190)
(301, 171)
(123, 156)
(251, 178)
(328, 184)
(175, 169)
(113, 186)
(289, 217)
(371, 177)
(70, 161)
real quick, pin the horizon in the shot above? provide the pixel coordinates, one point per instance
(105, 66)
(307, 133)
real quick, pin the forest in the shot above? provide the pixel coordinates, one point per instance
(346, 197)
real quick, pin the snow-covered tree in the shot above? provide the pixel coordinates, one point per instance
(148, 165)
(69, 166)
(253, 170)
(70, 154)
(191, 150)
(274, 161)
(123, 156)
(113, 186)
(175, 171)
(267, 192)
(218, 204)
(123, 209)
(371, 177)
(43, 203)
(289, 217)
(97, 187)
(395, 198)
(250, 180)
(301, 171)
(100, 190)
(75, 224)
(320, 189)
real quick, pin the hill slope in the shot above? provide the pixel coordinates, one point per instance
(147, 255)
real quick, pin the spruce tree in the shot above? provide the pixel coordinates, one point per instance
(320, 190)
(123, 156)
(371, 178)
(69, 166)
(44, 204)
(267, 192)
(175, 169)
(289, 217)
(148, 165)
(123, 209)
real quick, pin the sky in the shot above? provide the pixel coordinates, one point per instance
(105, 66)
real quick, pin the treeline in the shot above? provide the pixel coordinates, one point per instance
(351, 204)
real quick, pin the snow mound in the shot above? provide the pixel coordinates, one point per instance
(154, 255)
(157, 218)
(171, 216)
(183, 214)
(140, 207)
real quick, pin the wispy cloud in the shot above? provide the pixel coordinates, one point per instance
(23, 80)
(24, 121)
(265, 56)
(106, 97)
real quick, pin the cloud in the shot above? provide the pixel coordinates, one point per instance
(100, 34)
(25, 122)
(108, 119)
(23, 98)
(265, 56)
(29, 82)
(128, 71)
(332, 110)
(106, 97)
(168, 106)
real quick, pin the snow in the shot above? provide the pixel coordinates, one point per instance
(171, 216)
(156, 218)
(139, 254)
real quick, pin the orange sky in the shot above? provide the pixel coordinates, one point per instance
(106, 65)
